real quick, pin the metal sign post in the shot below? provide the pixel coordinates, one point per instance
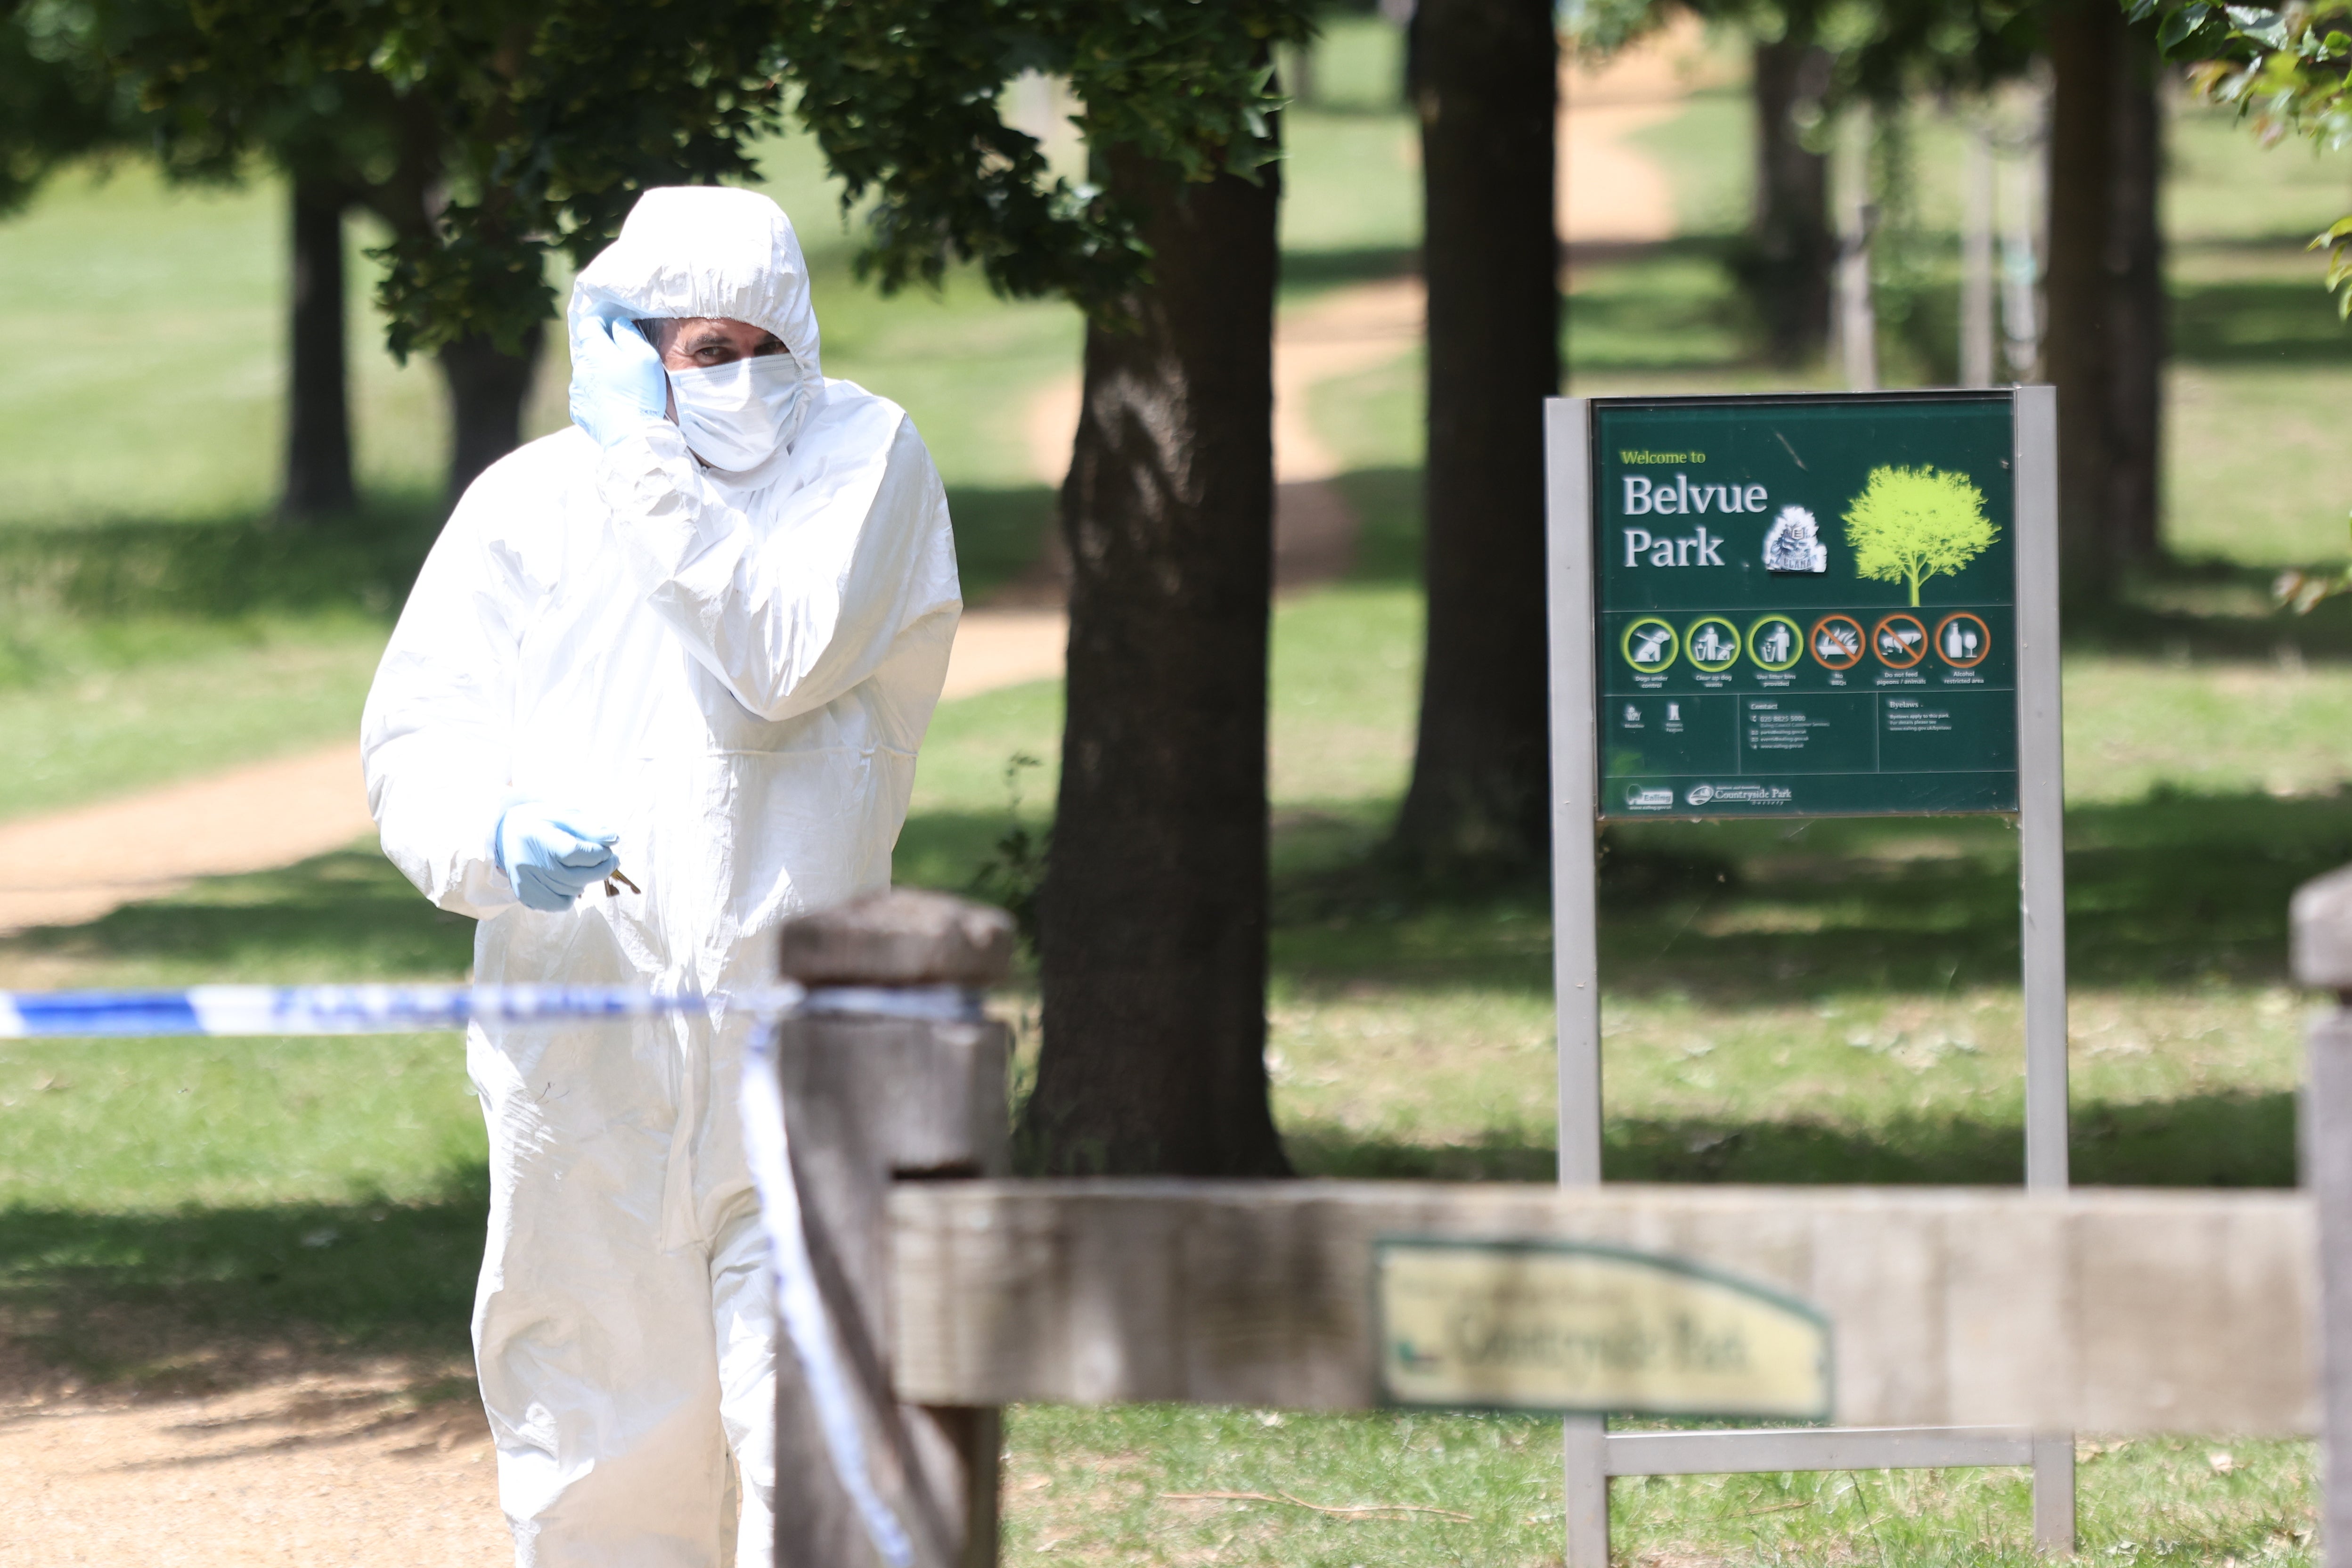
(1805, 606)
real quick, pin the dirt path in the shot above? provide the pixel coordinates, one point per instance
(312, 1470)
(74, 866)
(1611, 192)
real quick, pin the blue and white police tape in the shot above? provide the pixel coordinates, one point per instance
(411, 1009)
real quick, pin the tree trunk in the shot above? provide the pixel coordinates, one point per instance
(1791, 248)
(1153, 915)
(2086, 43)
(486, 392)
(2137, 333)
(318, 402)
(1487, 93)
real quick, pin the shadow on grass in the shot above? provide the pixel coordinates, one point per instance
(1670, 307)
(998, 533)
(347, 915)
(2226, 1139)
(364, 560)
(225, 566)
(2174, 889)
(2171, 890)
(177, 1302)
(2289, 320)
(948, 850)
(1356, 264)
(2181, 609)
(1388, 504)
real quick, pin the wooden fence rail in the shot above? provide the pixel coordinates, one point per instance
(2097, 1310)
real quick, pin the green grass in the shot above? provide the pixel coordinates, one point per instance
(1096, 1488)
(1710, 184)
(103, 720)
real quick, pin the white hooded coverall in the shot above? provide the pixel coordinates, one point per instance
(734, 676)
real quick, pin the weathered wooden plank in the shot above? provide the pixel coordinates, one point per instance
(2099, 1310)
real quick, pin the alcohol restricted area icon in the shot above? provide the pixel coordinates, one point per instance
(1837, 642)
(1714, 643)
(1651, 644)
(1775, 643)
(1900, 641)
(1962, 640)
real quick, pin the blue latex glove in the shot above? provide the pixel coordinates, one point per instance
(617, 381)
(551, 854)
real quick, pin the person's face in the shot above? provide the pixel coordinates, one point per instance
(698, 342)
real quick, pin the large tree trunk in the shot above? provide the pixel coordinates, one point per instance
(1790, 248)
(2086, 41)
(1487, 93)
(1153, 916)
(318, 478)
(2136, 327)
(486, 390)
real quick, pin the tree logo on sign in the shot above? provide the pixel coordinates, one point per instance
(1910, 524)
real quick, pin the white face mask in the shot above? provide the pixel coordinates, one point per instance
(735, 415)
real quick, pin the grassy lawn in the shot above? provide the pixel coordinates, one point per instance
(1785, 1002)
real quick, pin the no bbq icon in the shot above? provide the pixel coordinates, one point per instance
(1713, 643)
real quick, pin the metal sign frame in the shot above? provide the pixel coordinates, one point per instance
(1594, 1453)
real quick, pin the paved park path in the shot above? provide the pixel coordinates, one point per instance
(347, 1464)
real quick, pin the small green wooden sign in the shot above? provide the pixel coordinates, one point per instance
(1806, 605)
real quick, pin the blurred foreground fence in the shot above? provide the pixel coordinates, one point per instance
(1988, 1314)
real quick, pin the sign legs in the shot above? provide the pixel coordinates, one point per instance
(2328, 1172)
(2053, 1493)
(1588, 1491)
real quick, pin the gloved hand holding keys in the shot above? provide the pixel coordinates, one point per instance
(553, 855)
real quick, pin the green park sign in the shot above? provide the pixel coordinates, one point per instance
(1805, 606)
(1776, 605)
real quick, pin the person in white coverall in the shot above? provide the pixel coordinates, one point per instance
(698, 637)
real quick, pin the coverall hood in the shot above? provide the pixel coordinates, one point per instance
(704, 250)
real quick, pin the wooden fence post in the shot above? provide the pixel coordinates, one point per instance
(2322, 938)
(870, 1098)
